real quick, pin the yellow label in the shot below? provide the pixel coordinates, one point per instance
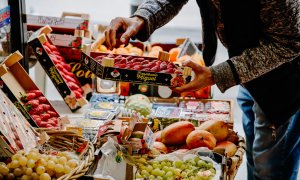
(80, 72)
(55, 76)
(146, 76)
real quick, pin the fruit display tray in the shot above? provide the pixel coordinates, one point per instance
(21, 86)
(137, 72)
(73, 99)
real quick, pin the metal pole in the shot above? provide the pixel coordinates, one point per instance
(19, 30)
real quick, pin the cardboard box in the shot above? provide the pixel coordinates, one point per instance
(65, 40)
(36, 42)
(127, 75)
(62, 24)
(18, 82)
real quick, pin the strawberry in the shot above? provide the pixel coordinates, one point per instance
(73, 86)
(67, 66)
(38, 93)
(59, 67)
(45, 116)
(38, 123)
(52, 47)
(54, 119)
(42, 99)
(52, 113)
(68, 73)
(36, 118)
(120, 66)
(45, 107)
(60, 58)
(137, 67)
(49, 126)
(32, 104)
(129, 58)
(145, 62)
(80, 90)
(147, 65)
(47, 49)
(155, 69)
(28, 96)
(137, 63)
(55, 52)
(163, 66)
(146, 69)
(36, 111)
(68, 78)
(78, 95)
(52, 123)
(43, 124)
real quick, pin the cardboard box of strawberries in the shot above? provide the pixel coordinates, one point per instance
(136, 69)
(58, 71)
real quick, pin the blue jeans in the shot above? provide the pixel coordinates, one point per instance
(271, 153)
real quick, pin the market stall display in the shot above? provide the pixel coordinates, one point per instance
(183, 136)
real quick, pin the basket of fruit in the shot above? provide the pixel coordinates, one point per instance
(225, 146)
(65, 155)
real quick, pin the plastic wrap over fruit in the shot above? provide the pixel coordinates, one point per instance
(178, 165)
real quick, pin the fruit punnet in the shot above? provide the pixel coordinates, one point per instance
(64, 69)
(40, 109)
(142, 64)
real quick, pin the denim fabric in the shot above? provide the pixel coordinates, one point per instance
(269, 157)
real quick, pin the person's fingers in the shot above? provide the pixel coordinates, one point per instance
(107, 39)
(130, 31)
(189, 63)
(111, 32)
(117, 23)
(191, 86)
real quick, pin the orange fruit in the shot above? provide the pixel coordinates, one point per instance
(121, 51)
(102, 48)
(153, 54)
(156, 48)
(174, 53)
(136, 51)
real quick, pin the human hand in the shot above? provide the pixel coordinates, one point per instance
(121, 30)
(203, 78)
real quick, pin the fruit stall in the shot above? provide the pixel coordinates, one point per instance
(119, 118)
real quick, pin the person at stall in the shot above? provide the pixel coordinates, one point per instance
(263, 43)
